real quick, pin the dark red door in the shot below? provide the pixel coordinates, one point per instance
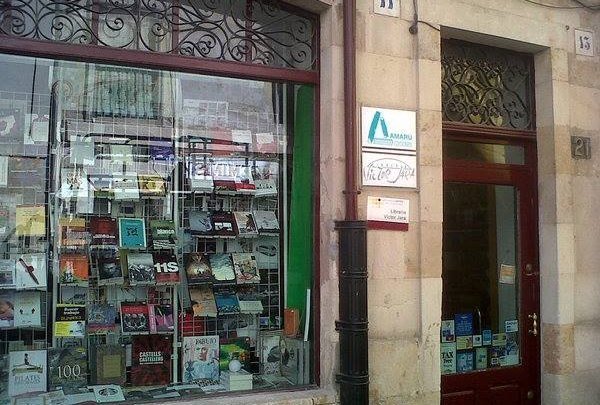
(490, 310)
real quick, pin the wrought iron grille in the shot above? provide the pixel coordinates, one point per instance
(486, 86)
(251, 31)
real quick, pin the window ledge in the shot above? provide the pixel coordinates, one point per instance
(301, 397)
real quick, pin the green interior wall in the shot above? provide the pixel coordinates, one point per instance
(300, 251)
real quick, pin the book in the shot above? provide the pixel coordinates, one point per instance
(7, 273)
(161, 318)
(266, 252)
(266, 222)
(199, 173)
(74, 183)
(234, 349)
(244, 182)
(11, 124)
(245, 267)
(151, 185)
(132, 233)
(101, 185)
(477, 341)
(227, 302)
(30, 220)
(151, 363)
(163, 234)
(30, 271)
(69, 321)
(101, 318)
(7, 309)
(295, 362)
(222, 268)
(245, 225)
(264, 174)
(108, 364)
(223, 224)
(73, 233)
(246, 325)
(499, 339)
(125, 186)
(250, 302)
(464, 361)
(269, 346)
(70, 294)
(512, 349)
(74, 269)
(27, 172)
(104, 231)
(166, 268)
(28, 310)
(27, 372)
(481, 358)
(447, 331)
(4, 220)
(486, 337)
(200, 358)
(464, 342)
(463, 324)
(140, 267)
(448, 358)
(201, 223)
(135, 318)
(67, 369)
(197, 269)
(108, 393)
(223, 172)
(497, 356)
(203, 301)
(108, 266)
(240, 380)
(291, 322)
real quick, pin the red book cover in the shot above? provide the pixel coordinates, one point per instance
(166, 268)
(104, 231)
(135, 318)
(151, 363)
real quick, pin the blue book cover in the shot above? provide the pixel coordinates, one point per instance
(464, 361)
(487, 337)
(463, 324)
(132, 233)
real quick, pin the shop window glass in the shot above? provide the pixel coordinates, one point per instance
(156, 233)
(484, 152)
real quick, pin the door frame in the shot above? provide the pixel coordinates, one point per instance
(524, 177)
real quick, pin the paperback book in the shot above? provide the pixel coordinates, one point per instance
(27, 372)
(140, 267)
(250, 302)
(151, 364)
(222, 268)
(7, 273)
(104, 231)
(67, 369)
(199, 173)
(203, 301)
(295, 363)
(108, 393)
(244, 182)
(30, 220)
(270, 352)
(447, 331)
(161, 318)
(74, 184)
(223, 224)
(235, 349)
(125, 186)
(28, 309)
(448, 358)
(7, 309)
(163, 234)
(227, 302)
(245, 267)
(481, 358)
(74, 269)
(4, 220)
(108, 364)
(151, 185)
(201, 223)
(266, 222)
(108, 266)
(132, 233)
(73, 233)
(464, 361)
(245, 225)
(197, 269)
(200, 358)
(70, 321)
(166, 268)
(30, 271)
(463, 324)
(101, 318)
(135, 318)
(266, 252)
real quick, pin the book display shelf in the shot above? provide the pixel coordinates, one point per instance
(143, 234)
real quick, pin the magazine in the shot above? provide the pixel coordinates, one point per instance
(200, 358)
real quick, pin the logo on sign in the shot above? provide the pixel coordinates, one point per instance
(379, 134)
(389, 171)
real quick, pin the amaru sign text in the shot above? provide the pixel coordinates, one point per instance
(389, 129)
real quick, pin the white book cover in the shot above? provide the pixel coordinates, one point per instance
(266, 222)
(266, 252)
(31, 271)
(125, 186)
(27, 372)
(28, 309)
(448, 358)
(74, 184)
(108, 393)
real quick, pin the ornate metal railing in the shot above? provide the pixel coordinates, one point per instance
(486, 86)
(251, 31)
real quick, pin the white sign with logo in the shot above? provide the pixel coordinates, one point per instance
(389, 129)
(389, 170)
(385, 209)
(387, 7)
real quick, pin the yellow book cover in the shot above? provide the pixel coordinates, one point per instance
(30, 220)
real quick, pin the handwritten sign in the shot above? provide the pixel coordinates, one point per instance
(389, 170)
(387, 213)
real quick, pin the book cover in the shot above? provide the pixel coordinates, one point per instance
(464, 361)
(447, 331)
(30, 271)
(7, 309)
(497, 356)
(132, 233)
(7, 273)
(30, 220)
(463, 324)
(151, 363)
(245, 267)
(4, 220)
(227, 302)
(512, 349)
(70, 321)
(140, 267)
(108, 364)
(108, 266)
(486, 337)
(265, 178)
(27, 372)
(266, 251)
(499, 339)
(481, 358)
(199, 173)
(152, 185)
(223, 172)
(265, 187)
(161, 318)
(464, 342)
(244, 182)
(73, 295)
(26, 172)
(163, 234)
(197, 269)
(28, 309)
(101, 184)
(67, 369)
(200, 358)
(74, 269)
(250, 301)
(448, 358)
(245, 225)
(295, 364)
(246, 325)
(223, 224)
(266, 222)
(222, 267)
(73, 233)
(108, 393)
(477, 341)
(166, 268)
(269, 346)
(135, 318)
(11, 124)
(201, 223)
(74, 183)
(125, 186)
(104, 231)
(234, 349)
(203, 301)
(101, 318)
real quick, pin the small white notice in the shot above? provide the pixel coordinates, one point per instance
(387, 7)
(387, 213)
(584, 43)
(389, 170)
(507, 274)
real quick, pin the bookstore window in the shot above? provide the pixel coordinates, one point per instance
(156, 233)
